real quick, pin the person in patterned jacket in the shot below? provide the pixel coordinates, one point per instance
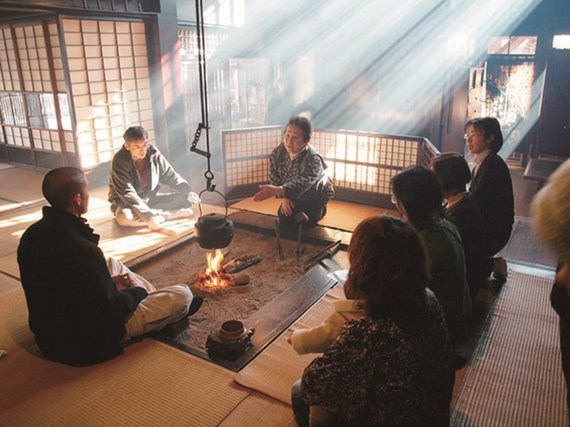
(298, 175)
(391, 367)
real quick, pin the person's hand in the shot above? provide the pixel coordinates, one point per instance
(123, 281)
(154, 222)
(287, 207)
(193, 198)
(289, 340)
(267, 191)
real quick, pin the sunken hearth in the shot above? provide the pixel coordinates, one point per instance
(241, 317)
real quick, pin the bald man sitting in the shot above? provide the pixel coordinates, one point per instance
(83, 308)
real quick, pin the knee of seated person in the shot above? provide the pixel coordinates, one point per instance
(296, 396)
(126, 218)
(184, 293)
(123, 215)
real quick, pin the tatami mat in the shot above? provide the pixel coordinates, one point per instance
(341, 215)
(262, 376)
(258, 410)
(151, 384)
(515, 377)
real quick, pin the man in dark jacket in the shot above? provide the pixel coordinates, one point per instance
(78, 312)
(137, 173)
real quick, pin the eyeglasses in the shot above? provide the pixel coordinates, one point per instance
(469, 135)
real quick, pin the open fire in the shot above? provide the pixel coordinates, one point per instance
(214, 277)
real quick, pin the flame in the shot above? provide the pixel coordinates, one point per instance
(213, 277)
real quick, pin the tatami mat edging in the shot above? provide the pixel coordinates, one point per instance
(150, 384)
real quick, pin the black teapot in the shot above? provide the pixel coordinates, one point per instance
(213, 230)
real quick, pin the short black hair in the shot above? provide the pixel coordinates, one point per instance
(452, 172)
(418, 190)
(61, 184)
(304, 124)
(135, 133)
(491, 128)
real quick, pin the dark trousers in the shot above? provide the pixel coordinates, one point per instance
(301, 409)
(315, 210)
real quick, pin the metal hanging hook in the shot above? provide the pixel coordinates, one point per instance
(204, 125)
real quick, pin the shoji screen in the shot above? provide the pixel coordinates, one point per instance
(28, 91)
(110, 85)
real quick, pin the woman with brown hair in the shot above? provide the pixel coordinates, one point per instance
(392, 366)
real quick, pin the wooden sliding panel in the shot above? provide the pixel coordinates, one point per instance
(246, 159)
(13, 115)
(37, 126)
(362, 164)
(38, 88)
(109, 74)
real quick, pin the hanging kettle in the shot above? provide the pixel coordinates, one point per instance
(214, 230)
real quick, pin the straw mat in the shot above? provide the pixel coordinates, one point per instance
(341, 215)
(279, 366)
(515, 377)
(151, 384)
(262, 411)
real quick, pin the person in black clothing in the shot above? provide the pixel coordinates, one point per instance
(491, 185)
(79, 313)
(550, 211)
(461, 208)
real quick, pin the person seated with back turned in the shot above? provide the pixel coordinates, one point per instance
(392, 366)
(83, 308)
(298, 175)
(550, 212)
(461, 209)
(419, 199)
(137, 172)
(492, 187)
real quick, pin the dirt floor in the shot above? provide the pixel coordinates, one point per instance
(268, 279)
